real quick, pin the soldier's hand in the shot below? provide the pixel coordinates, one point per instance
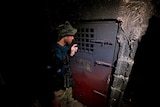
(74, 49)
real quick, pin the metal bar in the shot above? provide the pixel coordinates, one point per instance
(99, 93)
(103, 63)
(102, 42)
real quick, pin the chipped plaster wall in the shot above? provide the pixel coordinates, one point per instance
(134, 16)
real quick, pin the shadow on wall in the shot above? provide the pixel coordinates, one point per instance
(143, 83)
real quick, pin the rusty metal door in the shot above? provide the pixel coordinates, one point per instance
(92, 64)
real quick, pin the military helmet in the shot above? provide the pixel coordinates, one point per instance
(66, 30)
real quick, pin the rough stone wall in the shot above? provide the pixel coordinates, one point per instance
(134, 16)
(82, 10)
(97, 10)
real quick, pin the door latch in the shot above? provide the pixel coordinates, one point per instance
(102, 42)
(103, 63)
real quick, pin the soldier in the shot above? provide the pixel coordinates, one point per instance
(59, 72)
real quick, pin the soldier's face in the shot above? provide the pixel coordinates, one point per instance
(69, 39)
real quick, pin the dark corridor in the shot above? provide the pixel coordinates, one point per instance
(24, 57)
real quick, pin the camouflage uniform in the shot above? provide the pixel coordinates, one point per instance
(66, 100)
(64, 97)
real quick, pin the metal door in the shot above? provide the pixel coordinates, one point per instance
(92, 64)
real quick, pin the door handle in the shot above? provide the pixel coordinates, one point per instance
(102, 42)
(99, 93)
(103, 63)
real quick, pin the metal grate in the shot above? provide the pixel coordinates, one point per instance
(83, 38)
